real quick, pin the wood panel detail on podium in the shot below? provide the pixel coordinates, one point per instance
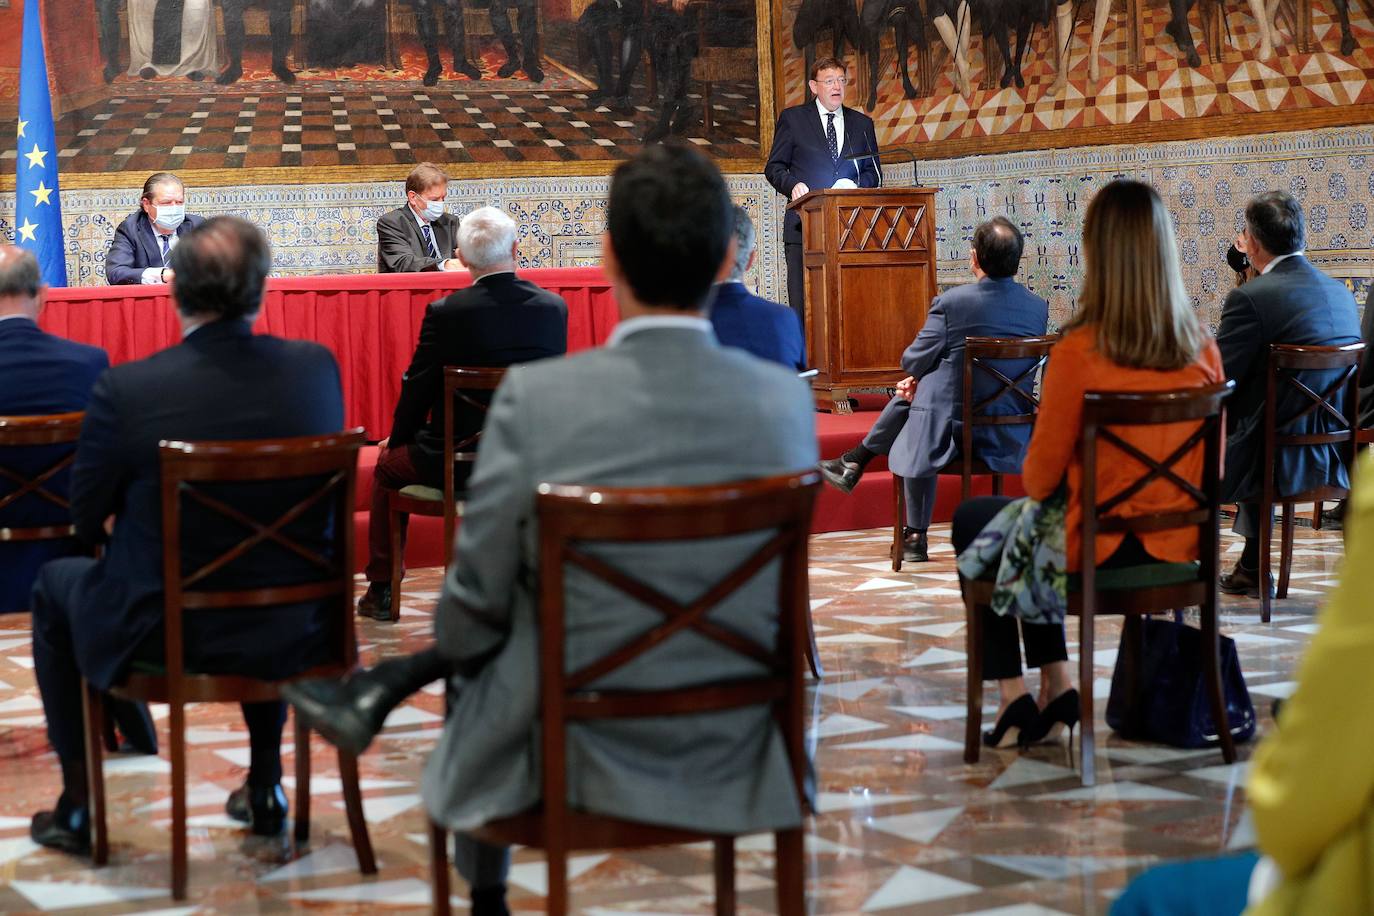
(869, 258)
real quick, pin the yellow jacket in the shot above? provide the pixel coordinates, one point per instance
(1312, 785)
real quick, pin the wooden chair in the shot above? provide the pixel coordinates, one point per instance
(187, 468)
(981, 355)
(1139, 590)
(571, 517)
(1338, 403)
(460, 383)
(30, 432)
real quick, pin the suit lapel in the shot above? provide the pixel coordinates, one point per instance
(810, 115)
(147, 240)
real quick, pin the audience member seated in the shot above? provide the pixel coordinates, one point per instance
(1289, 302)
(1367, 367)
(920, 428)
(1312, 799)
(93, 619)
(667, 397)
(497, 321)
(769, 330)
(1135, 330)
(420, 235)
(142, 247)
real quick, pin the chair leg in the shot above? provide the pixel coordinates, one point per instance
(1286, 550)
(1317, 516)
(996, 484)
(813, 654)
(1211, 673)
(302, 780)
(725, 876)
(899, 497)
(438, 868)
(353, 806)
(789, 870)
(1087, 745)
(177, 729)
(556, 901)
(973, 718)
(94, 712)
(1266, 522)
(397, 562)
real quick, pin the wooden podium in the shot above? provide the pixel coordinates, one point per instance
(869, 258)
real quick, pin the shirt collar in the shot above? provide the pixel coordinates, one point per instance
(1292, 254)
(495, 273)
(838, 112)
(10, 317)
(419, 220)
(651, 322)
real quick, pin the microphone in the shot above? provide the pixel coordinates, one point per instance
(904, 155)
(877, 163)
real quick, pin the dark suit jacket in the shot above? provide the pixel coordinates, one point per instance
(800, 153)
(1367, 367)
(401, 248)
(222, 382)
(1292, 304)
(39, 374)
(769, 330)
(498, 321)
(934, 427)
(135, 249)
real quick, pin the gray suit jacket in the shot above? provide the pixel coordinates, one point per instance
(930, 439)
(662, 407)
(401, 247)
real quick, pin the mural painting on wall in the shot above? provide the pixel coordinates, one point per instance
(995, 75)
(534, 86)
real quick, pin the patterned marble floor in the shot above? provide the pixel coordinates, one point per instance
(904, 825)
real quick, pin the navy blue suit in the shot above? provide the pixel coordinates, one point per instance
(801, 153)
(92, 618)
(767, 329)
(39, 374)
(1295, 303)
(135, 247)
(923, 435)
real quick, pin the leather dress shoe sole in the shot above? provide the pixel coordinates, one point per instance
(1240, 582)
(324, 709)
(45, 830)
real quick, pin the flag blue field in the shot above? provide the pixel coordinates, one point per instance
(37, 209)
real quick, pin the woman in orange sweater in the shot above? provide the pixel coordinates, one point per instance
(1135, 330)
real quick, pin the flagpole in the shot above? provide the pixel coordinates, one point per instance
(37, 203)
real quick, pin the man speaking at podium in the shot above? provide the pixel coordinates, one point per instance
(816, 145)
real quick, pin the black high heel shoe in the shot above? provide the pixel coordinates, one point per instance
(1012, 724)
(1061, 711)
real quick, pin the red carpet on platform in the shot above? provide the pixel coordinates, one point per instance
(871, 505)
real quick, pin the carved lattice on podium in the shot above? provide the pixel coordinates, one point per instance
(881, 228)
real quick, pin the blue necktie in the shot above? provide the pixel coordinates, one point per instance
(429, 241)
(166, 251)
(830, 137)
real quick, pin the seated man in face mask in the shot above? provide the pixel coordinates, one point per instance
(420, 235)
(143, 243)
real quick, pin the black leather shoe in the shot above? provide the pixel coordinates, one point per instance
(534, 72)
(229, 74)
(349, 713)
(264, 810)
(508, 69)
(915, 547)
(376, 602)
(1015, 719)
(283, 73)
(1242, 581)
(467, 68)
(431, 77)
(68, 828)
(841, 474)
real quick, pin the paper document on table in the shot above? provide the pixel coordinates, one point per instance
(844, 184)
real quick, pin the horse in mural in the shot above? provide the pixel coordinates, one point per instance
(813, 16)
(907, 22)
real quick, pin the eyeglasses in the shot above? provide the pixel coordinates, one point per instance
(834, 81)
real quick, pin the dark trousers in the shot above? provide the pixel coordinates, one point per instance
(918, 492)
(796, 280)
(55, 617)
(278, 23)
(597, 24)
(395, 469)
(529, 29)
(1044, 641)
(107, 17)
(427, 26)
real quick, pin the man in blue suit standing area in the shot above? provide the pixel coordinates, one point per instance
(811, 146)
(143, 243)
(767, 329)
(920, 429)
(94, 619)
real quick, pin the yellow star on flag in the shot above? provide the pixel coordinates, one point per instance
(26, 231)
(35, 156)
(22, 125)
(42, 194)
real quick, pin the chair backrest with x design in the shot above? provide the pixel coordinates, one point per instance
(30, 490)
(1000, 387)
(1311, 400)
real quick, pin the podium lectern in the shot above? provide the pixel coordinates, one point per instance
(869, 258)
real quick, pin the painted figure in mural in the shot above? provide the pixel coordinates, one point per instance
(839, 16)
(172, 38)
(528, 13)
(107, 18)
(278, 23)
(344, 33)
(953, 20)
(454, 28)
(672, 32)
(907, 23)
(1347, 39)
(608, 25)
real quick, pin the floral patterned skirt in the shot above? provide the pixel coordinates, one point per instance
(1023, 551)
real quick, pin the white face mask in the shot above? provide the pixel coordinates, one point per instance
(434, 209)
(169, 216)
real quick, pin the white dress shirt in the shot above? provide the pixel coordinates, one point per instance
(1292, 254)
(839, 124)
(153, 275)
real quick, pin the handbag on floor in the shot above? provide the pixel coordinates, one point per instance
(1171, 704)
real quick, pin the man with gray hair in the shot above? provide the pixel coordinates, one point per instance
(767, 329)
(497, 321)
(1290, 302)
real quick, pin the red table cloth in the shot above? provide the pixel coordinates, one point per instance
(370, 322)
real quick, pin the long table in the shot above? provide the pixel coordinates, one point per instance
(370, 321)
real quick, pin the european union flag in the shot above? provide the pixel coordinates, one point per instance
(37, 209)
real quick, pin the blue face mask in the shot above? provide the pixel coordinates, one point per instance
(169, 216)
(433, 209)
